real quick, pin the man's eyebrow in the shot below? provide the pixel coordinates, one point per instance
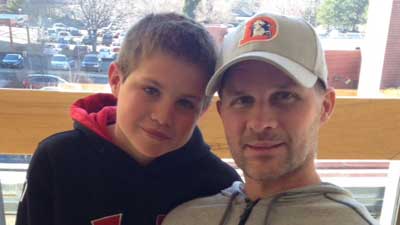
(288, 84)
(234, 92)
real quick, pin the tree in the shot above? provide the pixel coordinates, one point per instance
(137, 9)
(344, 15)
(13, 6)
(97, 14)
(286, 7)
(310, 12)
(189, 8)
(214, 12)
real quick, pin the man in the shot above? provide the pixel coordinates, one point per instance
(274, 98)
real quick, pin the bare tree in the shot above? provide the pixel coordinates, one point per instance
(214, 12)
(137, 9)
(97, 14)
(286, 7)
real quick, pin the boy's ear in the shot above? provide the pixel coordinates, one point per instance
(328, 104)
(114, 78)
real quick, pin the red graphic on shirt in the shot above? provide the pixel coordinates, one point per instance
(259, 29)
(160, 219)
(108, 220)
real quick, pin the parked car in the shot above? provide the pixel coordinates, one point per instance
(89, 40)
(64, 35)
(51, 49)
(63, 44)
(51, 34)
(105, 53)
(60, 26)
(38, 81)
(107, 39)
(61, 62)
(80, 51)
(13, 61)
(91, 62)
(74, 31)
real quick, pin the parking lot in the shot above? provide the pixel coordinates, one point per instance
(50, 55)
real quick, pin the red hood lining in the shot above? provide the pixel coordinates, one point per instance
(96, 112)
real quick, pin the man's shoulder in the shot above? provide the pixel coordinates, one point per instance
(349, 208)
(198, 211)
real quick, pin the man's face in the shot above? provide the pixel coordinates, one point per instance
(271, 123)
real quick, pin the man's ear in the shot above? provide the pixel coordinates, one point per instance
(328, 104)
(115, 78)
(218, 104)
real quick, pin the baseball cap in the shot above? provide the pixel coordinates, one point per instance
(290, 44)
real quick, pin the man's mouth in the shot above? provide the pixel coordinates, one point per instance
(264, 146)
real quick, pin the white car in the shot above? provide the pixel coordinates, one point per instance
(61, 62)
(106, 53)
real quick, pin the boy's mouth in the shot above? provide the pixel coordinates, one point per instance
(156, 134)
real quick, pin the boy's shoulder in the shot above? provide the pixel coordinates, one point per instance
(66, 144)
(64, 138)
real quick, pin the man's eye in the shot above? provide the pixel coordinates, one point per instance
(186, 104)
(285, 97)
(242, 101)
(151, 91)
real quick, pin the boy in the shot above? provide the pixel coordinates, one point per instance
(131, 160)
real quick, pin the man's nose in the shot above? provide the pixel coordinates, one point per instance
(262, 117)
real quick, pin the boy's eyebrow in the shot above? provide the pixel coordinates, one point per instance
(197, 98)
(154, 82)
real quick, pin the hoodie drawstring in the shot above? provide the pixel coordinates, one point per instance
(269, 208)
(228, 209)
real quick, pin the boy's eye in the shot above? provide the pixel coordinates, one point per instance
(285, 97)
(186, 104)
(151, 91)
(242, 101)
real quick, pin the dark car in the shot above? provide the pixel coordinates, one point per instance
(13, 61)
(89, 40)
(38, 81)
(91, 62)
(63, 44)
(80, 51)
(107, 39)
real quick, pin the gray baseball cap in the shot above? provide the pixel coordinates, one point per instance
(290, 44)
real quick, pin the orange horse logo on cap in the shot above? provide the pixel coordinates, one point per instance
(259, 29)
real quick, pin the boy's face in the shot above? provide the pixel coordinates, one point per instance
(159, 104)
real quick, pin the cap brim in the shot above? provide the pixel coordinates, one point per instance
(294, 70)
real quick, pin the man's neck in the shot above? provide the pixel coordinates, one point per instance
(256, 189)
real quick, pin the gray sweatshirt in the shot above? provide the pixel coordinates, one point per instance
(322, 204)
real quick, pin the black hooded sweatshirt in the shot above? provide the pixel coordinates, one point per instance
(80, 177)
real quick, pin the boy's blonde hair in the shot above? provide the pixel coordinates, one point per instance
(168, 33)
(171, 34)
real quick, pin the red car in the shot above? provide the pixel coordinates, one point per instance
(38, 81)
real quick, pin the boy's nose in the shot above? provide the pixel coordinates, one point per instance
(162, 114)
